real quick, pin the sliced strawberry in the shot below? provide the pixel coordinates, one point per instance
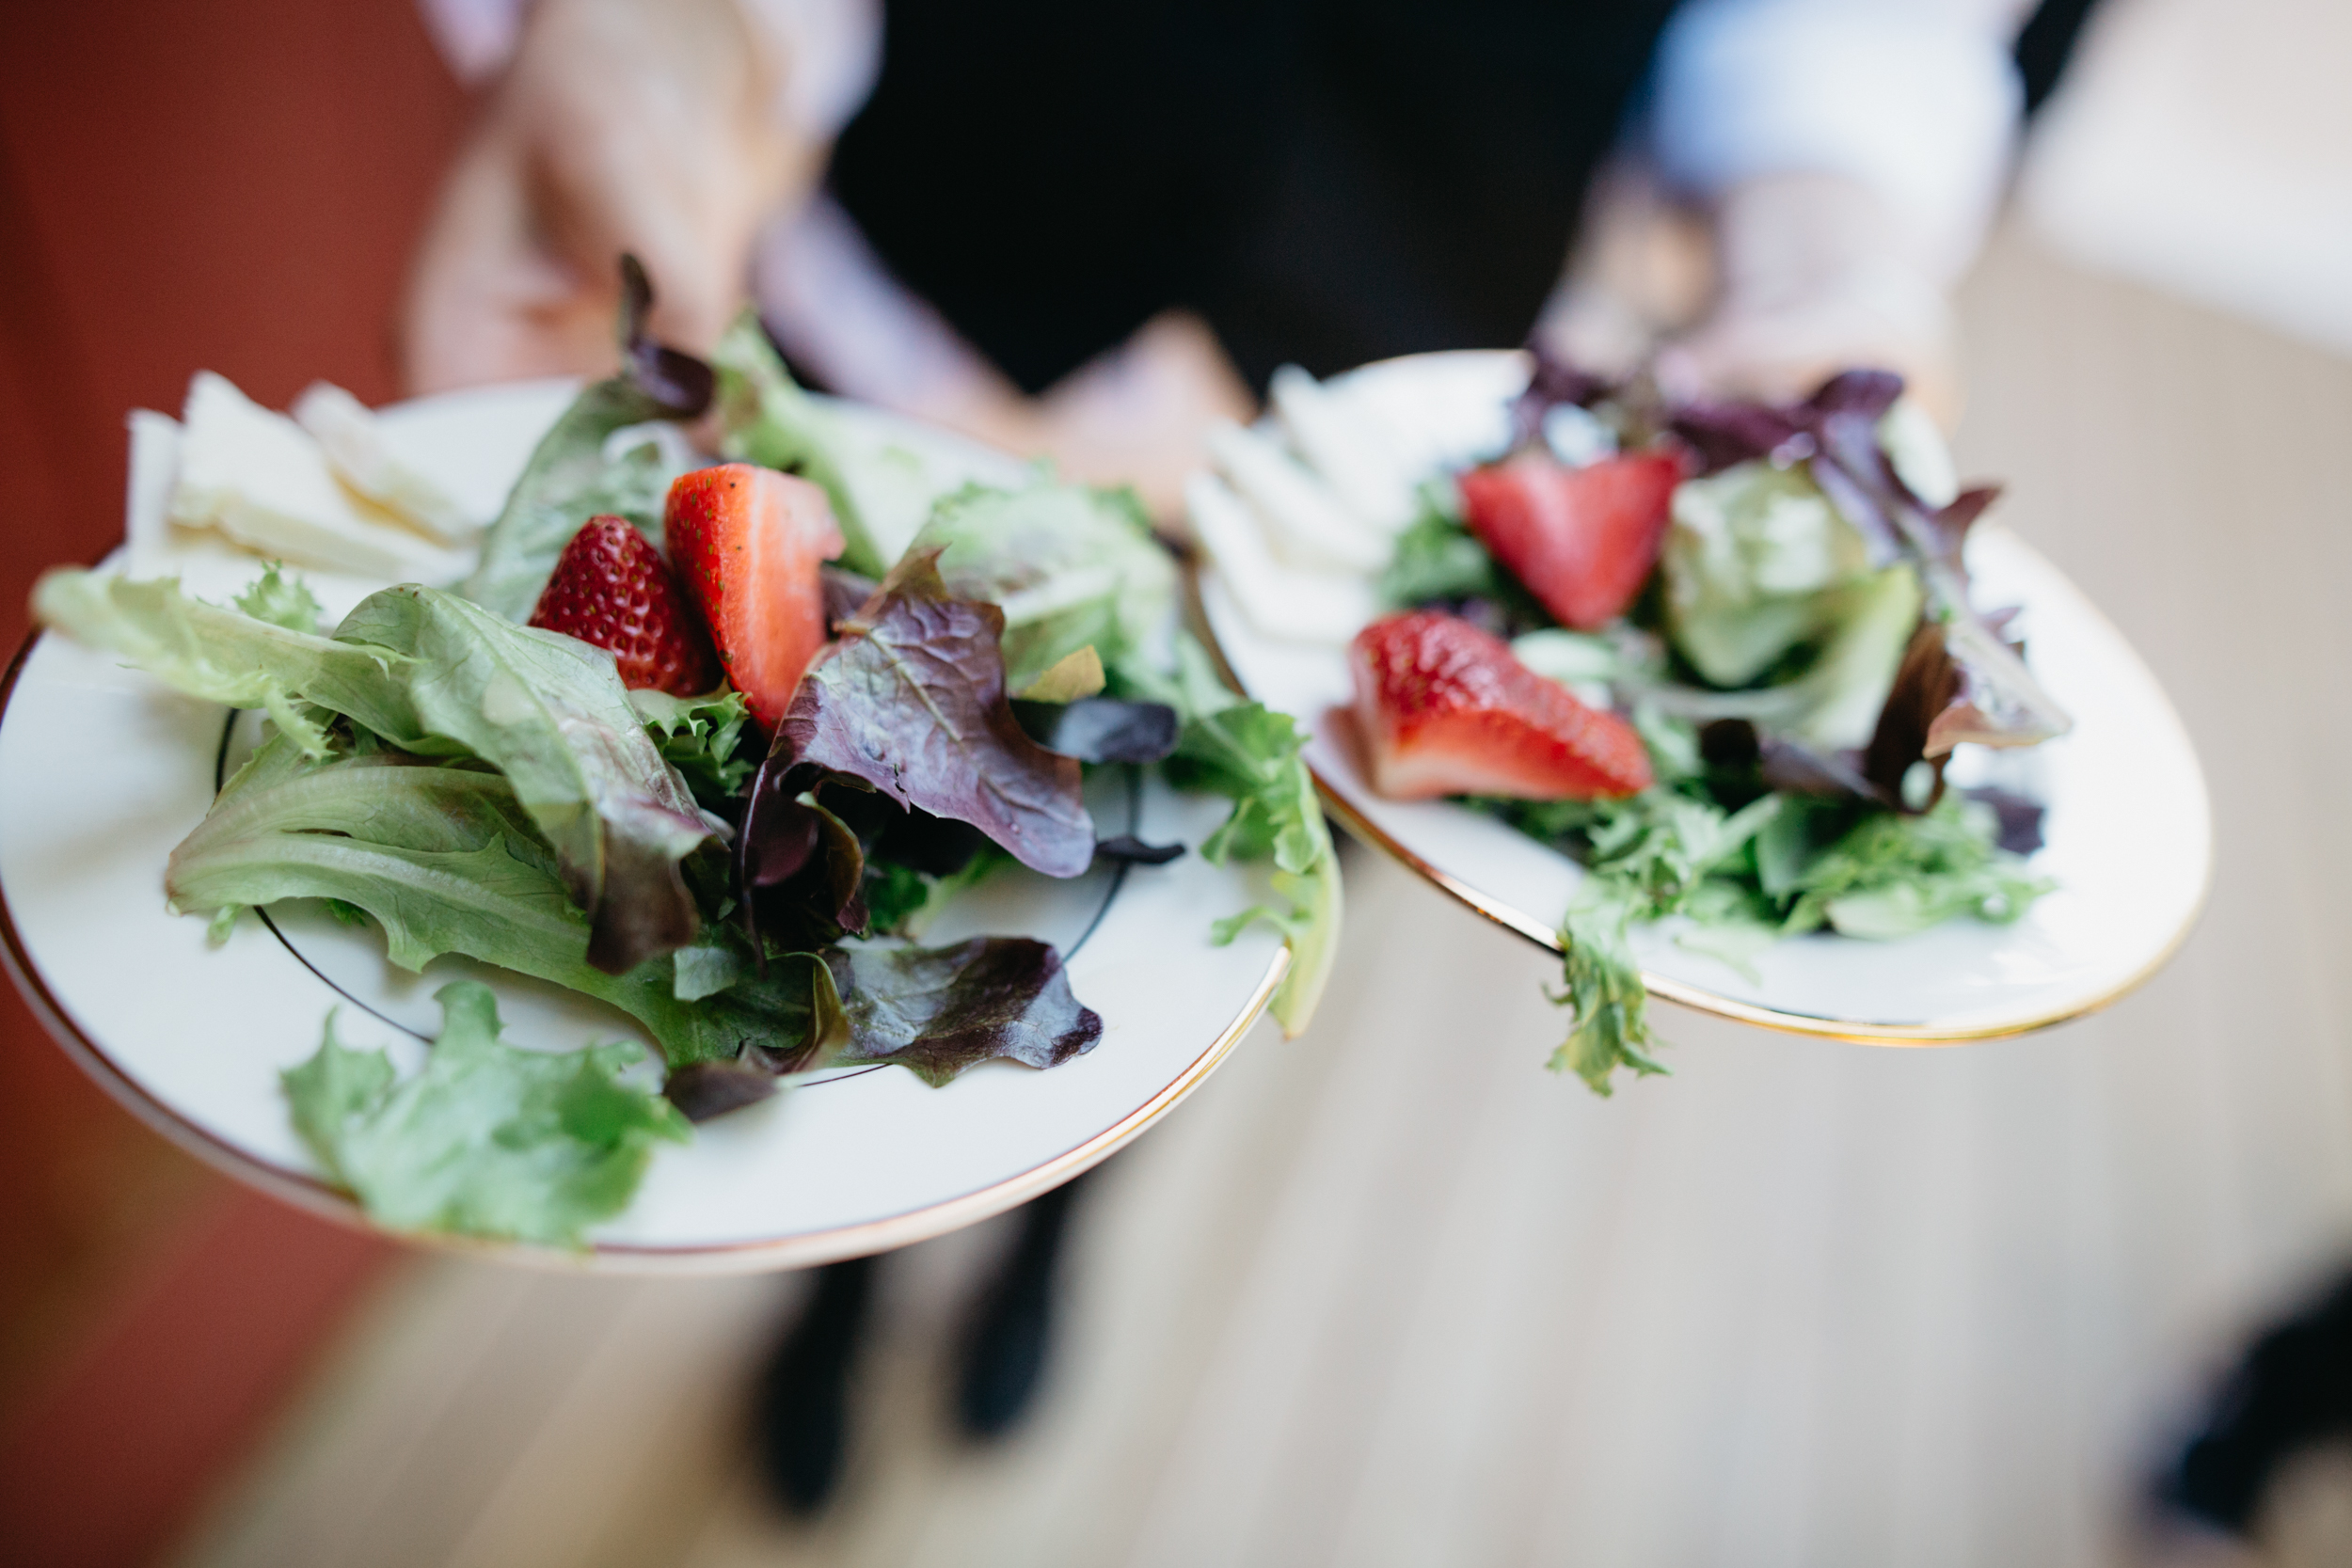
(749, 542)
(1582, 540)
(611, 588)
(1445, 709)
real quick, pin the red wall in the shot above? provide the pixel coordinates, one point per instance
(230, 184)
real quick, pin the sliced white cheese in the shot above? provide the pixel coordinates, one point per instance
(259, 478)
(1344, 445)
(1306, 523)
(362, 456)
(154, 458)
(1281, 601)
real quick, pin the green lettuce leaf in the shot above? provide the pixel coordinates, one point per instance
(1251, 755)
(282, 601)
(1071, 567)
(1608, 1008)
(432, 674)
(1782, 865)
(703, 738)
(551, 713)
(1891, 876)
(486, 1140)
(445, 859)
(1751, 562)
(765, 418)
(569, 479)
(226, 656)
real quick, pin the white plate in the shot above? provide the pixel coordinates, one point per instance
(103, 771)
(2129, 833)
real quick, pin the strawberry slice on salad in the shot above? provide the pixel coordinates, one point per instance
(1582, 540)
(1446, 709)
(750, 541)
(612, 588)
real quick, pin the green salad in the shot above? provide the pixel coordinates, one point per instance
(701, 747)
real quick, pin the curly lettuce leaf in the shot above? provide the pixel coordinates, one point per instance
(1782, 865)
(1071, 567)
(1892, 875)
(282, 600)
(226, 656)
(939, 1010)
(1608, 1008)
(486, 1139)
(1251, 755)
(703, 738)
(913, 703)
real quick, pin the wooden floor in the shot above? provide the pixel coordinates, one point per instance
(1391, 1294)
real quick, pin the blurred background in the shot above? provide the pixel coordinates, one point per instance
(1387, 1294)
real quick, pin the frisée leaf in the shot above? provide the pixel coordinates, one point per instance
(224, 656)
(486, 1139)
(281, 600)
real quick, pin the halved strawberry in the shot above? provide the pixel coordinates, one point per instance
(1445, 709)
(611, 588)
(1582, 540)
(749, 542)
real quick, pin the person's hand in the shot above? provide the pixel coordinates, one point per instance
(646, 126)
(1815, 276)
(1788, 281)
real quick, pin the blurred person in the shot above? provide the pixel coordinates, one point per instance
(1087, 232)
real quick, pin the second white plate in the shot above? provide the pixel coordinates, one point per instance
(2129, 835)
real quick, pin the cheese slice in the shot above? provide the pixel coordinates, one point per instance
(262, 479)
(1281, 601)
(361, 455)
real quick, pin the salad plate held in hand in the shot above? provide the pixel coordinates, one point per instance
(2126, 839)
(105, 769)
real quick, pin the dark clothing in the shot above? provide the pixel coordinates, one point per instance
(1325, 181)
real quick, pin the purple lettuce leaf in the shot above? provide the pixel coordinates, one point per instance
(799, 868)
(911, 702)
(1102, 729)
(1555, 382)
(677, 381)
(939, 1010)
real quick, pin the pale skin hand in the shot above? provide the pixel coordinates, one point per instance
(1786, 282)
(622, 125)
(650, 126)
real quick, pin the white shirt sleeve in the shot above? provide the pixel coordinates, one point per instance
(1916, 99)
(832, 50)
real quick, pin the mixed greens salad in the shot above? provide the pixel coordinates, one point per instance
(1720, 654)
(746, 870)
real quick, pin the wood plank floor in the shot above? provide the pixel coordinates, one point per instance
(1390, 1294)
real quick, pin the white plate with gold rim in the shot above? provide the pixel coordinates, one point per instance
(2128, 833)
(103, 771)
